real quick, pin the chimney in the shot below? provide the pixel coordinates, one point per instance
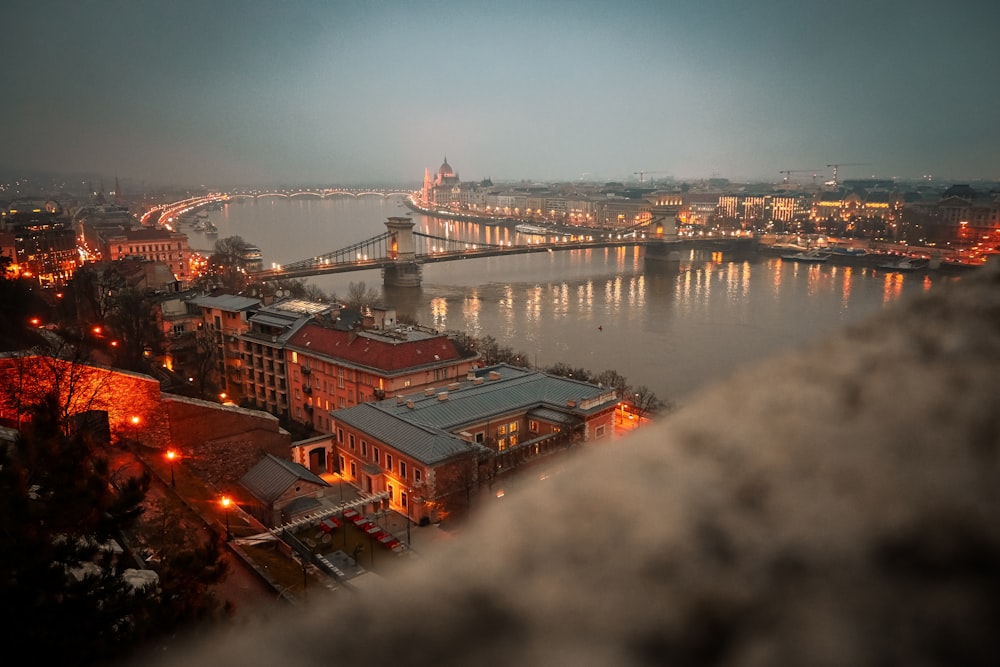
(477, 381)
(399, 399)
(429, 391)
(465, 435)
(470, 376)
(494, 375)
(454, 386)
(409, 404)
(443, 396)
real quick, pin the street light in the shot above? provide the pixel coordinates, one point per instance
(226, 502)
(408, 492)
(171, 455)
(135, 427)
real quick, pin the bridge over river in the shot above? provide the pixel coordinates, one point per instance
(400, 251)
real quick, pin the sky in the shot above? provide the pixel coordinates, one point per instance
(322, 92)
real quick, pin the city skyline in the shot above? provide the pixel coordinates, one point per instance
(309, 92)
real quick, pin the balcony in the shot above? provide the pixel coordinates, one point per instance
(306, 370)
(306, 389)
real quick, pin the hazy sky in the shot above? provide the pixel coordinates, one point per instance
(318, 91)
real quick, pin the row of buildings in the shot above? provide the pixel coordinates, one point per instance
(868, 208)
(396, 410)
(43, 241)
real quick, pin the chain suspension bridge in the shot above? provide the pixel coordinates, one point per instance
(400, 252)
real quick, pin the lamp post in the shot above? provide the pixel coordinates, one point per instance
(135, 427)
(171, 455)
(408, 492)
(226, 502)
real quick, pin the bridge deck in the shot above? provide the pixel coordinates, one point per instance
(322, 265)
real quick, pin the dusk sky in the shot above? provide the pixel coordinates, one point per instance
(223, 94)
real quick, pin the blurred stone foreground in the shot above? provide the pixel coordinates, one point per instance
(838, 506)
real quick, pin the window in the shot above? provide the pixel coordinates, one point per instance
(350, 439)
(501, 430)
(364, 448)
(501, 444)
(416, 475)
(513, 441)
(354, 471)
(533, 426)
(402, 499)
(375, 454)
(599, 431)
(342, 466)
(340, 378)
(512, 427)
(389, 489)
(388, 461)
(481, 437)
(402, 469)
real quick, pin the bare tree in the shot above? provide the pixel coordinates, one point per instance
(644, 402)
(227, 264)
(614, 380)
(205, 363)
(133, 319)
(359, 295)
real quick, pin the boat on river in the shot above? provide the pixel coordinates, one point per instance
(531, 229)
(904, 264)
(813, 256)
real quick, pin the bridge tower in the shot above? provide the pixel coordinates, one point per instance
(663, 226)
(402, 249)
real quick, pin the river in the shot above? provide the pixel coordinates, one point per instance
(672, 330)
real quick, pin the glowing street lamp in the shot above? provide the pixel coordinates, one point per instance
(226, 502)
(135, 427)
(171, 455)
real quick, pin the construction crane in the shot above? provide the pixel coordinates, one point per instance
(788, 172)
(642, 174)
(838, 165)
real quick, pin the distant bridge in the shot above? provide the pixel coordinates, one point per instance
(323, 193)
(400, 252)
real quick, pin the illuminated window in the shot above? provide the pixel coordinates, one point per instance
(513, 441)
(512, 427)
(533, 426)
(501, 444)
(502, 430)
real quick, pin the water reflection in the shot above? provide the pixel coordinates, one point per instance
(666, 326)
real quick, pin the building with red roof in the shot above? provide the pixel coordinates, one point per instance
(331, 367)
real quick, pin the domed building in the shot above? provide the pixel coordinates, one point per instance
(438, 191)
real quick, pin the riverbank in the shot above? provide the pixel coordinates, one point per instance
(504, 221)
(878, 257)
